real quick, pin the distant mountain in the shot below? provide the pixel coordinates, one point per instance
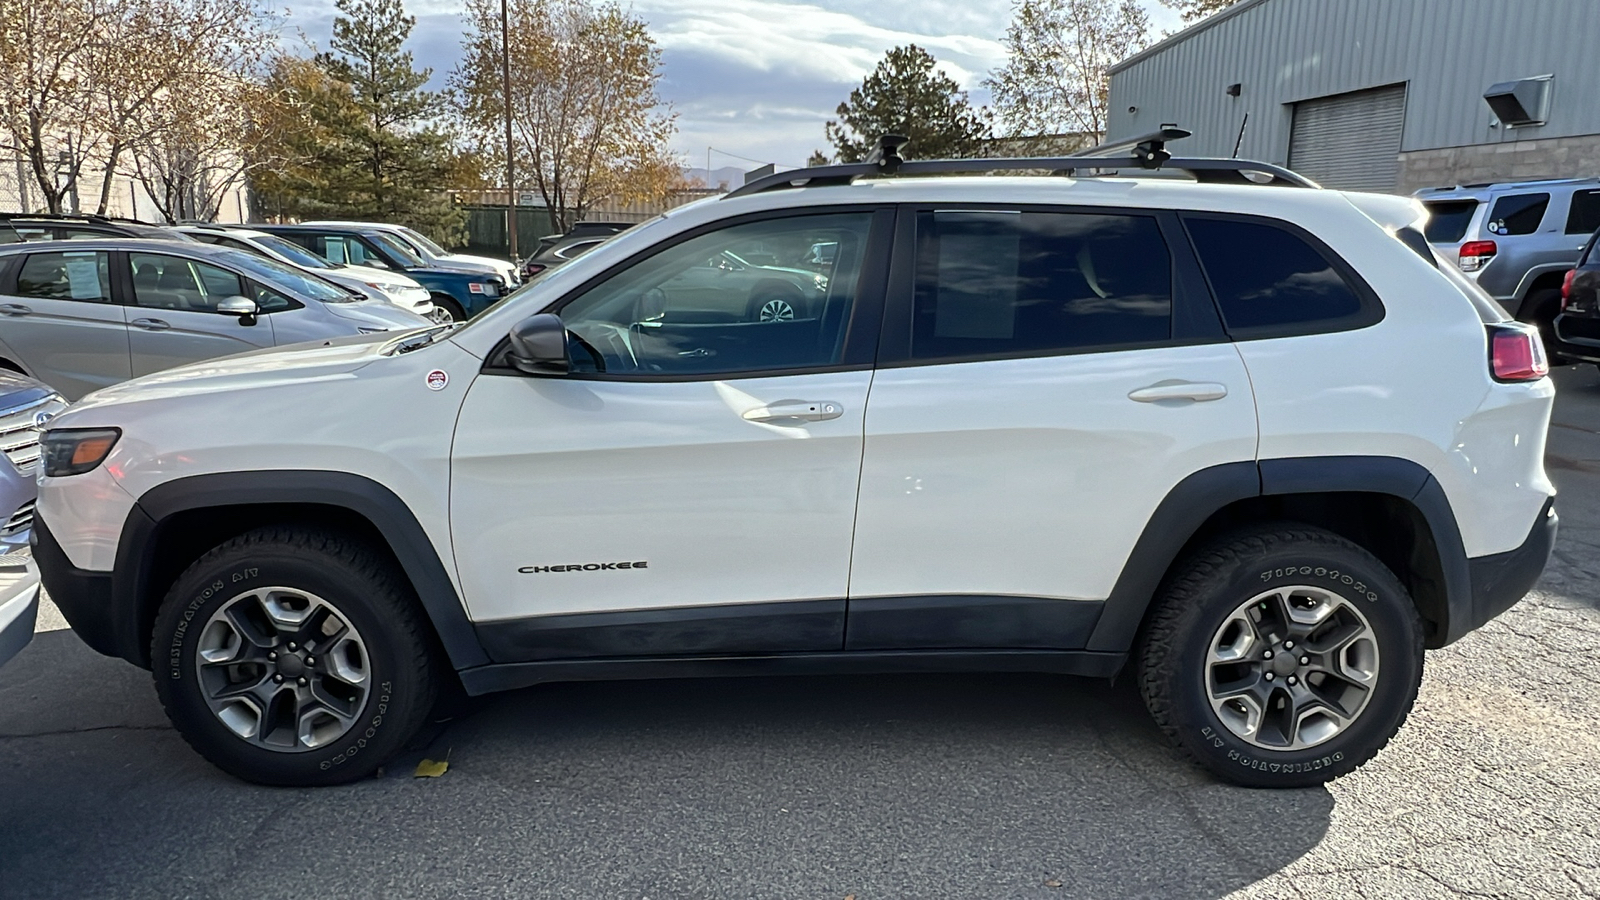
(729, 176)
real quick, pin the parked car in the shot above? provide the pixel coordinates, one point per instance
(25, 406)
(1517, 240)
(1577, 329)
(433, 254)
(1239, 442)
(557, 249)
(18, 227)
(461, 292)
(378, 284)
(83, 315)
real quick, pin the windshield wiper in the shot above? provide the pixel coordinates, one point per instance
(421, 339)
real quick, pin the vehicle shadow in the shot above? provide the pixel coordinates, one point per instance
(902, 786)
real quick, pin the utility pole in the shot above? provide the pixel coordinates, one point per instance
(511, 165)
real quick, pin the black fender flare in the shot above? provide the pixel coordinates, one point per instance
(1199, 496)
(372, 501)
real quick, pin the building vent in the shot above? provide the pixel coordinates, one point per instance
(1525, 101)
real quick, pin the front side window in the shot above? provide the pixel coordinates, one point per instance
(993, 283)
(1518, 213)
(734, 300)
(286, 276)
(68, 275)
(1265, 277)
(171, 282)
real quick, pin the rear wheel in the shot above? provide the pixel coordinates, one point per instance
(776, 305)
(1540, 310)
(289, 657)
(1282, 657)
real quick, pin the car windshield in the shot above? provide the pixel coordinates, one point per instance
(293, 252)
(421, 240)
(398, 249)
(281, 275)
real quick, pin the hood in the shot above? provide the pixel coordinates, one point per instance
(499, 265)
(327, 360)
(379, 314)
(17, 389)
(371, 274)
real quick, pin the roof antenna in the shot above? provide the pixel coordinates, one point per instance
(887, 157)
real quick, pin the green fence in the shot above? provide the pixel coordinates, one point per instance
(486, 230)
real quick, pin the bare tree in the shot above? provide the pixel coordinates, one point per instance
(587, 123)
(1195, 10)
(1055, 79)
(50, 55)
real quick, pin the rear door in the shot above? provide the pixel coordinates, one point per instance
(57, 312)
(173, 317)
(1047, 376)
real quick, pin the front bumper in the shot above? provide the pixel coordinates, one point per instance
(84, 598)
(1499, 581)
(19, 608)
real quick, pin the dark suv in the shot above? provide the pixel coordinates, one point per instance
(16, 228)
(1577, 329)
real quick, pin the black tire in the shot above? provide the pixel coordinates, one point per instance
(449, 305)
(363, 587)
(1203, 595)
(1540, 309)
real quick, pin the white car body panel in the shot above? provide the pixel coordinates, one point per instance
(723, 509)
(19, 608)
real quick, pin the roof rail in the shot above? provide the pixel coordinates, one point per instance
(1146, 153)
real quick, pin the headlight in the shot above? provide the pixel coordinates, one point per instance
(74, 451)
(387, 287)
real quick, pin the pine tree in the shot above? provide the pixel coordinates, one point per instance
(907, 95)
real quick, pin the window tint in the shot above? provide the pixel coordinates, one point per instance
(1584, 216)
(68, 275)
(171, 282)
(736, 300)
(1448, 220)
(393, 247)
(992, 282)
(1266, 277)
(1518, 213)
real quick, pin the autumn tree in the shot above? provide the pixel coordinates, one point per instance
(1195, 10)
(51, 55)
(587, 125)
(1055, 79)
(906, 94)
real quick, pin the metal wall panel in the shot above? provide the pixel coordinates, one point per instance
(1284, 51)
(1350, 141)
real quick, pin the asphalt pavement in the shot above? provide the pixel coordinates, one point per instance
(882, 787)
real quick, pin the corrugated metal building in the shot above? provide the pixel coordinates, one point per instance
(1385, 95)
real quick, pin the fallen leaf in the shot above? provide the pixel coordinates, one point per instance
(1054, 882)
(430, 769)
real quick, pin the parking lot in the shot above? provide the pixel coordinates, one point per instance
(910, 786)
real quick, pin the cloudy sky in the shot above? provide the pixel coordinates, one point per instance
(758, 78)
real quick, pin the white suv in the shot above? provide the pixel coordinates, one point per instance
(1249, 442)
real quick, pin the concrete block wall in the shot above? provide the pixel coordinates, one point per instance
(1565, 157)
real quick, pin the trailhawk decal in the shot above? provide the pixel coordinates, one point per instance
(584, 567)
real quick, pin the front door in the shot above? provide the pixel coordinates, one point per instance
(691, 487)
(1047, 378)
(173, 319)
(57, 314)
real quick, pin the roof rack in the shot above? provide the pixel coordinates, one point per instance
(1146, 153)
(71, 217)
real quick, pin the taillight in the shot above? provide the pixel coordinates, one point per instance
(1566, 287)
(1475, 253)
(1516, 353)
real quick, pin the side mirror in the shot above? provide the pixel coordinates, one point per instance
(243, 307)
(539, 346)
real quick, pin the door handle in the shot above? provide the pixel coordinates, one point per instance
(15, 309)
(804, 410)
(1197, 391)
(150, 324)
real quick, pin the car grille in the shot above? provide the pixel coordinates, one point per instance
(20, 521)
(19, 430)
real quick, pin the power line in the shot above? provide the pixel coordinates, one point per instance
(747, 159)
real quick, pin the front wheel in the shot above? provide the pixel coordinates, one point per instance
(1282, 657)
(291, 657)
(451, 308)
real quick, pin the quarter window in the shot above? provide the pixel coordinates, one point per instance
(68, 275)
(169, 282)
(1584, 216)
(1518, 213)
(1266, 277)
(742, 299)
(1000, 283)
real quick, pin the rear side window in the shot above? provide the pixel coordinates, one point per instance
(1267, 278)
(69, 275)
(1448, 220)
(1518, 213)
(1584, 216)
(993, 283)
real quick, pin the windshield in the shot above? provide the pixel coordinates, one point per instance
(1448, 220)
(293, 252)
(398, 248)
(282, 275)
(421, 240)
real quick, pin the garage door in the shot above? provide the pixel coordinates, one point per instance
(1350, 141)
